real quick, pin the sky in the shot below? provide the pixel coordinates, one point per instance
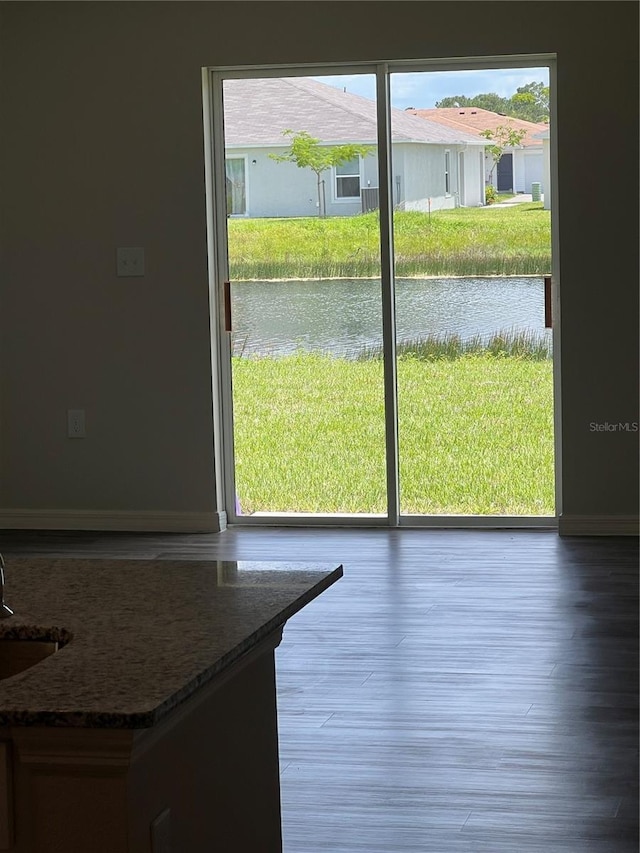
(421, 90)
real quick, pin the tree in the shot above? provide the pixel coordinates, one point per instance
(529, 102)
(307, 153)
(489, 101)
(502, 137)
(454, 101)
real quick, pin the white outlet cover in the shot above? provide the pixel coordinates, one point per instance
(130, 261)
(76, 423)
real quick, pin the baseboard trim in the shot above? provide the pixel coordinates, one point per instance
(598, 525)
(215, 522)
(134, 522)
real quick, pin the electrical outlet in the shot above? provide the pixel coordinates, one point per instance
(75, 423)
(130, 261)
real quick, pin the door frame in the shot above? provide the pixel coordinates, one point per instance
(245, 161)
(507, 158)
(215, 177)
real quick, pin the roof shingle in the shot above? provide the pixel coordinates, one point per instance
(257, 111)
(474, 120)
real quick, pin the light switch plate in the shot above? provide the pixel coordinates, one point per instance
(130, 261)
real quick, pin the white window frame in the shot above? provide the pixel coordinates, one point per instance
(218, 272)
(334, 184)
(231, 156)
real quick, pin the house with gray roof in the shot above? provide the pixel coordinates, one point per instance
(433, 167)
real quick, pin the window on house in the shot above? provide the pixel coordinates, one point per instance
(236, 186)
(447, 172)
(348, 179)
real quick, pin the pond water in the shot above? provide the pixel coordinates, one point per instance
(343, 316)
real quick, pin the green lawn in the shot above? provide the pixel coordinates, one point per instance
(466, 241)
(476, 434)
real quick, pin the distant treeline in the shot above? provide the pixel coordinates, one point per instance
(530, 102)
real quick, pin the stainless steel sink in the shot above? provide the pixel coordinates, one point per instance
(16, 655)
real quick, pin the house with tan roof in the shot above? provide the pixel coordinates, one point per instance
(434, 167)
(545, 136)
(520, 166)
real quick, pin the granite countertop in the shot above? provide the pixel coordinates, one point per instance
(138, 637)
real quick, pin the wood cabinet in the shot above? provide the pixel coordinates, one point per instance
(206, 778)
(153, 726)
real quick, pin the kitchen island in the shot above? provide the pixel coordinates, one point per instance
(153, 726)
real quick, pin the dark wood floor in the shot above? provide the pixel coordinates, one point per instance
(455, 692)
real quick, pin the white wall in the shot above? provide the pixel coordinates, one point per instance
(370, 170)
(546, 171)
(282, 189)
(527, 167)
(102, 146)
(423, 177)
(473, 181)
(279, 189)
(533, 168)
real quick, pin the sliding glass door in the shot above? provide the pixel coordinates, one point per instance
(381, 354)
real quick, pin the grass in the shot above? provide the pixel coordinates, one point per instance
(465, 241)
(475, 417)
(519, 345)
(476, 434)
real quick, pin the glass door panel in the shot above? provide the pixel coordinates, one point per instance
(307, 395)
(474, 359)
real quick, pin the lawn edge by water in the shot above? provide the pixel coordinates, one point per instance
(457, 242)
(377, 277)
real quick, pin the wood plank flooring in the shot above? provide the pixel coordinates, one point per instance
(455, 692)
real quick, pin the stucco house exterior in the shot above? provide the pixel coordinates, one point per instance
(545, 136)
(520, 166)
(434, 167)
